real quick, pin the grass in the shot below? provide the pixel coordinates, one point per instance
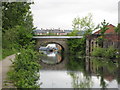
(6, 52)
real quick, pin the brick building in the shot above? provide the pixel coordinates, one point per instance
(111, 30)
(111, 38)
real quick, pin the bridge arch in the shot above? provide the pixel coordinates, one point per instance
(60, 40)
(46, 43)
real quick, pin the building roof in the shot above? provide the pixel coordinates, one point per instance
(111, 30)
(52, 31)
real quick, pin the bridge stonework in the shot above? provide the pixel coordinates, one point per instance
(44, 41)
(60, 40)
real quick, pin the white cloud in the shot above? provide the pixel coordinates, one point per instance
(60, 13)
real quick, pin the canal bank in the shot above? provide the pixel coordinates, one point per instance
(5, 67)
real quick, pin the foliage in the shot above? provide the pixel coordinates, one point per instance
(103, 27)
(100, 41)
(118, 29)
(15, 13)
(109, 52)
(77, 46)
(73, 33)
(16, 37)
(98, 52)
(17, 26)
(83, 24)
(26, 68)
(7, 52)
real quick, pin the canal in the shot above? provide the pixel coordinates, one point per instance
(69, 71)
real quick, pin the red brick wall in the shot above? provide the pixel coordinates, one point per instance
(111, 30)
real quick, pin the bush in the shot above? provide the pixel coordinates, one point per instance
(25, 69)
(98, 52)
(77, 46)
(109, 52)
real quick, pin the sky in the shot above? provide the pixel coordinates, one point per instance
(60, 13)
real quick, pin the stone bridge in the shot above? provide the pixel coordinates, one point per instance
(60, 40)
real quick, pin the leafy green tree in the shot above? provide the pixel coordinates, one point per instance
(17, 25)
(83, 24)
(77, 46)
(103, 27)
(14, 13)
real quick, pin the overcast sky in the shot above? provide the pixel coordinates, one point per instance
(60, 13)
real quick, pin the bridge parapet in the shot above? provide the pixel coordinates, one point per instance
(56, 37)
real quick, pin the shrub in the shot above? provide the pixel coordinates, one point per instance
(98, 52)
(26, 68)
(77, 45)
(110, 53)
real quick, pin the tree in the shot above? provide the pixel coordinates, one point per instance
(17, 15)
(77, 46)
(14, 13)
(17, 25)
(103, 27)
(83, 24)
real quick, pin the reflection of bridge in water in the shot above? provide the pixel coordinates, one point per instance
(60, 40)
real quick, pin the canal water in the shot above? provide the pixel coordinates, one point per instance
(70, 71)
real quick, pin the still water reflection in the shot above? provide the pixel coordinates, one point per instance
(51, 54)
(51, 57)
(78, 72)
